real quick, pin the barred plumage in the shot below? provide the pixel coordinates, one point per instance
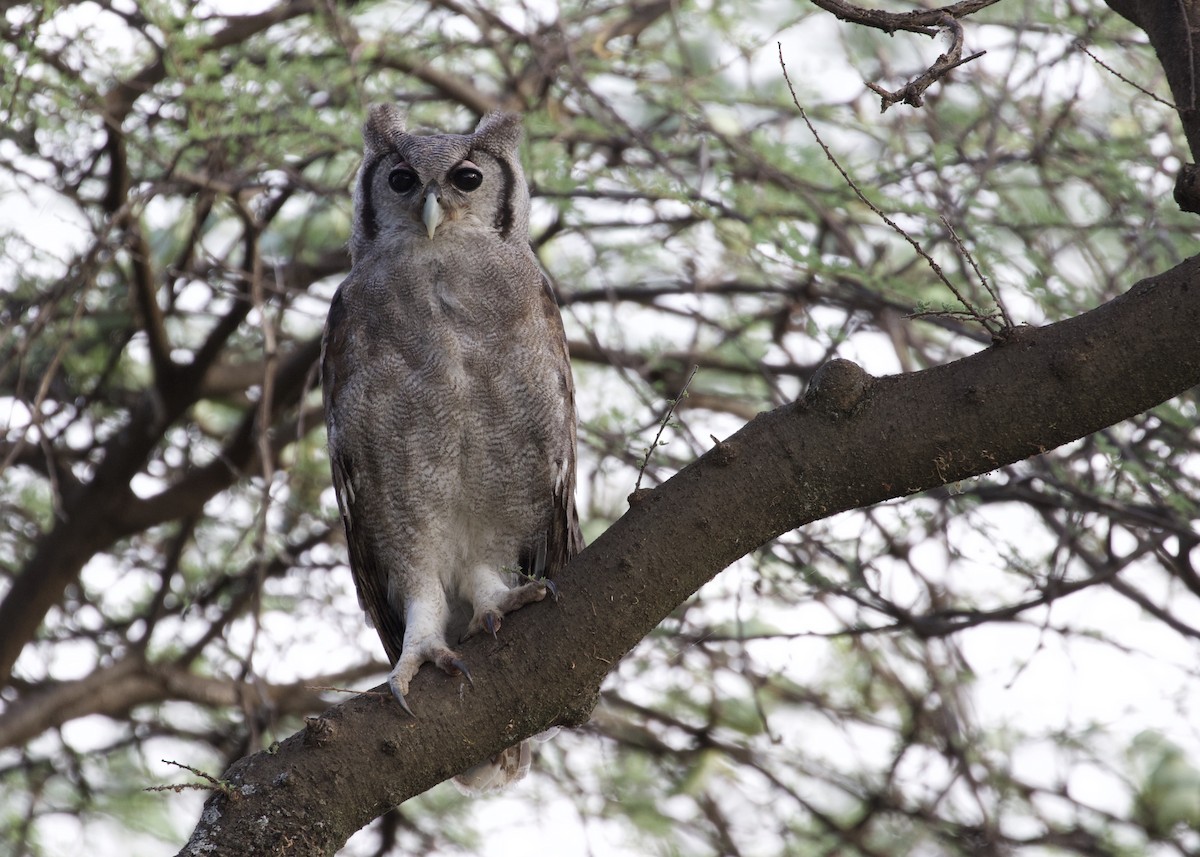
(448, 398)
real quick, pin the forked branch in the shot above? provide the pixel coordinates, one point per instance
(927, 22)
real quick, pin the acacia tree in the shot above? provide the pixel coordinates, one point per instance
(981, 300)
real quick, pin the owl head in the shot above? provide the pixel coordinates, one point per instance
(427, 186)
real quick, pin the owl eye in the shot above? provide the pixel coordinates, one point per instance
(466, 178)
(402, 179)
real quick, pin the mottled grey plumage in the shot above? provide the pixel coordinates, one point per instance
(448, 398)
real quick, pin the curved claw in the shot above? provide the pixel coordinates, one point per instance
(490, 624)
(458, 664)
(400, 699)
(549, 584)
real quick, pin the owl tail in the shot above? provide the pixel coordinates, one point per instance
(499, 772)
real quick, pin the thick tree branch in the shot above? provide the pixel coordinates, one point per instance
(852, 441)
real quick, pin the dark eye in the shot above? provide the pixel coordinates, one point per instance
(466, 178)
(402, 179)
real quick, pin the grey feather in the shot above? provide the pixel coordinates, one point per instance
(448, 394)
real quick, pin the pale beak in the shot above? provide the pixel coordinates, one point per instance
(431, 215)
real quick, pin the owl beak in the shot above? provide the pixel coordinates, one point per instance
(431, 215)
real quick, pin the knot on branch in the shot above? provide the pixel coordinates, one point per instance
(723, 453)
(837, 387)
(638, 496)
(318, 731)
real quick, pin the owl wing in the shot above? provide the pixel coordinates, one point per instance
(369, 578)
(564, 538)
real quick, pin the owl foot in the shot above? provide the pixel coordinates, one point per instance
(489, 615)
(489, 621)
(446, 659)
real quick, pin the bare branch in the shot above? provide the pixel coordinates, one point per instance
(986, 320)
(927, 22)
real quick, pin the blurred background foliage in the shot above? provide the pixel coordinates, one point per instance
(1005, 666)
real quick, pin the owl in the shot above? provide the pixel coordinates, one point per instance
(449, 401)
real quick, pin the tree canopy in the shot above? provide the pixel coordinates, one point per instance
(889, 455)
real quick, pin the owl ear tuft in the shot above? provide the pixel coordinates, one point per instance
(383, 128)
(500, 132)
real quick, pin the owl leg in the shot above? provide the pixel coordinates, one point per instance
(424, 642)
(492, 599)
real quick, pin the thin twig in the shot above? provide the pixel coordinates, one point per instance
(1108, 68)
(346, 690)
(984, 320)
(662, 425)
(983, 280)
(212, 784)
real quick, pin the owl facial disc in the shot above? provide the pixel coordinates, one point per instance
(431, 215)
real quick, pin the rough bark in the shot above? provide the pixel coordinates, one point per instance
(853, 440)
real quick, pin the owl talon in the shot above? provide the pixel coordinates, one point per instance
(423, 652)
(458, 664)
(489, 621)
(399, 696)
